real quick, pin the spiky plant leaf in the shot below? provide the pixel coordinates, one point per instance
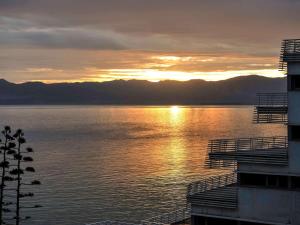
(29, 149)
(28, 159)
(35, 182)
(30, 169)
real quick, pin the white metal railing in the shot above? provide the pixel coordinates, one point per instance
(176, 216)
(271, 108)
(290, 51)
(173, 217)
(268, 117)
(211, 183)
(111, 222)
(248, 144)
(272, 99)
(258, 150)
(291, 46)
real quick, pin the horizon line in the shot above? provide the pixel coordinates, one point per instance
(126, 80)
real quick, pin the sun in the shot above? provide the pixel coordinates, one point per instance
(174, 109)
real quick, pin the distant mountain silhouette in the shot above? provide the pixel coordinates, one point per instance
(239, 90)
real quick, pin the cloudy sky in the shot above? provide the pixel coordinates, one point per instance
(98, 40)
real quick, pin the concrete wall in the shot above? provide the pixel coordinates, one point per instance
(263, 169)
(294, 107)
(294, 119)
(260, 205)
(292, 169)
(294, 157)
(265, 204)
(293, 68)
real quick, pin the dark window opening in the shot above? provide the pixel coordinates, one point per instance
(252, 179)
(199, 220)
(295, 182)
(272, 181)
(283, 182)
(215, 221)
(295, 133)
(261, 180)
(294, 83)
(250, 223)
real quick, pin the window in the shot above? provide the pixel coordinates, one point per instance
(295, 133)
(283, 182)
(294, 83)
(252, 179)
(251, 223)
(272, 181)
(199, 220)
(261, 180)
(295, 182)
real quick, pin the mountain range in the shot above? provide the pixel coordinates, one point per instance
(239, 90)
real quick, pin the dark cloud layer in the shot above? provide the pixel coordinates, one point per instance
(224, 27)
(18, 33)
(224, 21)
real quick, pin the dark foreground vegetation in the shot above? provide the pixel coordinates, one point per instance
(14, 184)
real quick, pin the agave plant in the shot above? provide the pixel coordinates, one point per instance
(19, 171)
(6, 148)
(14, 159)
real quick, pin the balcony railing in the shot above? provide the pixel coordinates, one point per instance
(110, 222)
(290, 52)
(272, 99)
(271, 108)
(248, 144)
(173, 217)
(211, 183)
(259, 150)
(217, 191)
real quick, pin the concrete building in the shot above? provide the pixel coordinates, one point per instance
(265, 185)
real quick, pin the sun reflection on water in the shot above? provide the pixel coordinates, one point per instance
(173, 153)
(176, 116)
(175, 109)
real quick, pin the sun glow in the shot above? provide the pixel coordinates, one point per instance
(175, 109)
(156, 75)
(176, 115)
(184, 67)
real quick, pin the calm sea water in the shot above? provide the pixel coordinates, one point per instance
(121, 163)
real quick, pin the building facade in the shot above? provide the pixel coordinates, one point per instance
(265, 185)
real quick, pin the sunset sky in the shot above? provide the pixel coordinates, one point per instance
(99, 40)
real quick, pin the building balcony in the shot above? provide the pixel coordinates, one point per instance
(217, 192)
(271, 108)
(290, 52)
(178, 216)
(259, 150)
(110, 222)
